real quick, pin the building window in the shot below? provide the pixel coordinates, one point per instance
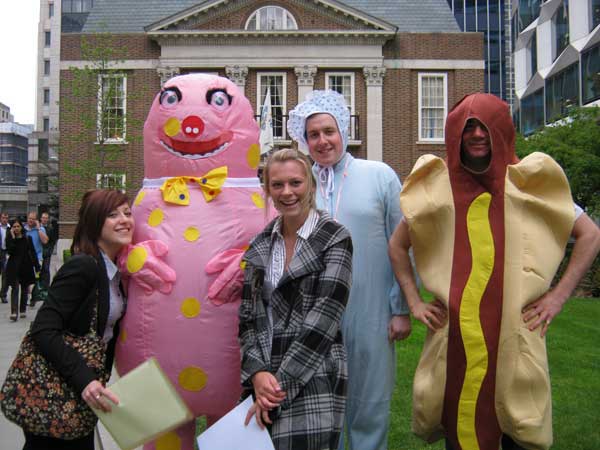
(433, 106)
(595, 6)
(112, 94)
(513, 30)
(50, 10)
(532, 50)
(343, 82)
(47, 38)
(562, 92)
(42, 183)
(46, 124)
(529, 10)
(470, 22)
(275, 83)
(46, 96)
(111, 181)
(590, 74)
(532, 112)
(271, 18)
(458, 10)
(77, 6)
(46, 67)
(561, 27)
(42, 149)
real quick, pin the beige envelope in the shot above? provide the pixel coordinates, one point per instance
(148, 406)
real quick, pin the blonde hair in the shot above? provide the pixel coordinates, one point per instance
(289, 154)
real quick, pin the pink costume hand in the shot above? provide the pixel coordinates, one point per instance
(143, 264)
(227, 287)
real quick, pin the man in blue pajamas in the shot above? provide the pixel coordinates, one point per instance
(364, 196)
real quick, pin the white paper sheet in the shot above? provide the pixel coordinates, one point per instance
(230, 433)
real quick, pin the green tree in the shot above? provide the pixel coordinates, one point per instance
(96, 125)
(574, 143)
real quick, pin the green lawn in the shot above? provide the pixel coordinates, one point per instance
(574, 352)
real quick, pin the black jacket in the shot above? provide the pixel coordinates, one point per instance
(71, 299)
(22, 262)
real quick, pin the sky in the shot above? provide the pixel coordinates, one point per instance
(18, 57)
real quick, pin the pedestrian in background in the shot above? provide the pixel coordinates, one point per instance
(38, 236)
(47, 249)
(20, 268)
(4, 230)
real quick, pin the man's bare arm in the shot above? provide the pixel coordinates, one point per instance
(585, 249)
(433, 315)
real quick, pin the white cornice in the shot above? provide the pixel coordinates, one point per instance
(264, 63)
(274, 36)
(327, 59)
(435, 64)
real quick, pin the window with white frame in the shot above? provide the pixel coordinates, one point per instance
(433, 106)
(270, 18)
(275, 83)
(111, 181)
(343, 82)
(112, 95)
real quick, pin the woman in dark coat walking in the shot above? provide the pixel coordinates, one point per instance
(19, 268)
(296, 284)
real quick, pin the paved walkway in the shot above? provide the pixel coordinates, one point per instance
(11, 436)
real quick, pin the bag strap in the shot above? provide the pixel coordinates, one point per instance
(94, 321)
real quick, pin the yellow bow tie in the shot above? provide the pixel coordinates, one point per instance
(175, 189)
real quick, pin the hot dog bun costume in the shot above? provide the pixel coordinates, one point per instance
(200, 204)
(486, 245)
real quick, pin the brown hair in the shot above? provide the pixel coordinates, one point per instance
(96, 205)
(290, 154)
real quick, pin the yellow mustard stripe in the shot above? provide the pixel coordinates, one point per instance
(482, 250)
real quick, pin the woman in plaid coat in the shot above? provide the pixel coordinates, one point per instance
(296, 284)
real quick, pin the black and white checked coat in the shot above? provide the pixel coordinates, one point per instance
(307, 353)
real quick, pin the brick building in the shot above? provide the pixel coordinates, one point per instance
(400, 64)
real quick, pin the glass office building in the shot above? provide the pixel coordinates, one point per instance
(489, 18)
(556, 59)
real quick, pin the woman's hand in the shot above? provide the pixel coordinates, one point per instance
(97, 396)
(262, 416)
(433, 315)
(267, 390)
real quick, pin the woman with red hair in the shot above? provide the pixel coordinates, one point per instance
(87, 283)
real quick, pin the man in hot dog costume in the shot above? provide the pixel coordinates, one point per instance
(488, 232)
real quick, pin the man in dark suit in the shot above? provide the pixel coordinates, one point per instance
(47, 248)
(4, 229)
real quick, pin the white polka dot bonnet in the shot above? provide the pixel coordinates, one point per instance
(316, 102)
(329, 102)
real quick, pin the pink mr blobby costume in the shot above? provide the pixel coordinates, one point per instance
(200, 205)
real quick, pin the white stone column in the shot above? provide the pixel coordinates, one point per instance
(238, 75)
(166, 73)
(306, 80)
(374, 80)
